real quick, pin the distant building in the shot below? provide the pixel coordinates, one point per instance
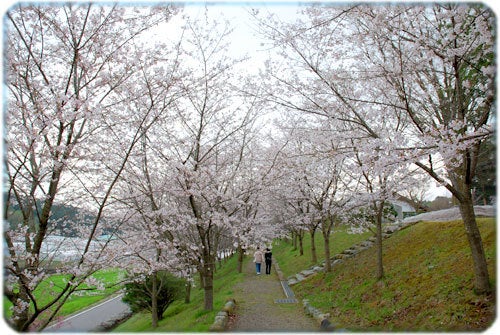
(403, 209)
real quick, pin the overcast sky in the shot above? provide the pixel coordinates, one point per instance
(245, 39)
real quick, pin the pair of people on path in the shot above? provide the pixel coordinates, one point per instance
(259, 257)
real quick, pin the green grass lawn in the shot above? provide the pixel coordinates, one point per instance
(80, 300)
(182, 317)
(428, 284)
(47, 289)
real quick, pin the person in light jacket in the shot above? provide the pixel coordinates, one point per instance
(258, 259)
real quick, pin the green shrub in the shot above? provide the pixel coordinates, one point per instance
(138, 294)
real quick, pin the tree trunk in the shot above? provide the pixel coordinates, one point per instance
(301, 244)
(154, 300)
(481, 276)
(208, 278)
(294, 240)
(187, 298)
(462, 191)
(202, 278)
(378, 223)
(241, 253)
(314, 257)
(326, 239)
(21, 320)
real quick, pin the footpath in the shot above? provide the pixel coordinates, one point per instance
(262, 305)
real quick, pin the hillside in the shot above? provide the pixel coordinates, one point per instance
(428, 284)
(64, 220)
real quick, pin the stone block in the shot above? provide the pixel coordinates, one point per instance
(299, 277)
(363, 247)
(326, 325)
(337, 261)
(345, 256)
(391, 229)
(307, 273)
(229, 307)
(366, 243)
(220, 322)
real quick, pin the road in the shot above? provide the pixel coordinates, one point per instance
(93, 318)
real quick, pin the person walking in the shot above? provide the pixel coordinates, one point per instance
(268, 256)
(258, 258)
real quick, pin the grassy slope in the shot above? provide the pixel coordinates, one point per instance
(428, 283)
(290, 260)
(182, 317)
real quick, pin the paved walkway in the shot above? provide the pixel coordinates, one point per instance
(256, 308)
(94, 318)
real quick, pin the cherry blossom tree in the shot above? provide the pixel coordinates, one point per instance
(146, 232)
(441, 73)
(146, 251)
(379, 181)
(353, 127)
(314, 186)
(67, 71)
(298, 213)
(192, 176)
(250, 224)
(415, 82)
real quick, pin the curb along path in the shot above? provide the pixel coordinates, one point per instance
(262, 304)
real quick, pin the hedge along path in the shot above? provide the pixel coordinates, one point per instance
(257, 307)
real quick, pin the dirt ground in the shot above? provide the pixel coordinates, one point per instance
(257, 311)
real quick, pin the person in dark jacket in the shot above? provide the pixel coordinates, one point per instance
(268, 256)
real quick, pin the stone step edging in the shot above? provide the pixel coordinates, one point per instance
(222, 318)
(344, 255)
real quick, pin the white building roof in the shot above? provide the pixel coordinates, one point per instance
(405, 207)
